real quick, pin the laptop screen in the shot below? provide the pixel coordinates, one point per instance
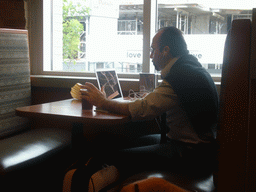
(108, 78)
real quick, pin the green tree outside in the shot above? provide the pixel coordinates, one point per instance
(72, 29)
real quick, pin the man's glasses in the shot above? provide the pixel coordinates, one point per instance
(151, 50)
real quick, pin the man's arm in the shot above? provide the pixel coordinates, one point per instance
(116, 107)
(98, 98)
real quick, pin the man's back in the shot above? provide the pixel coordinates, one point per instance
(196, 92)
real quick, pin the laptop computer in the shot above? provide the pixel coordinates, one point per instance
(109, 79)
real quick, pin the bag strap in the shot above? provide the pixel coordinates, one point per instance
(83, 173)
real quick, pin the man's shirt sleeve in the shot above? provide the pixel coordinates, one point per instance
(154, 104)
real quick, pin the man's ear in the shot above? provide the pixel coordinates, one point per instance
(166, 50)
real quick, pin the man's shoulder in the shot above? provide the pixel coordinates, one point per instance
(187, 61)
(188, 74)
(188, 58)
(187, 68)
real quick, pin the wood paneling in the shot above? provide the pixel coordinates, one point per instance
(12, 14)
(48, 94)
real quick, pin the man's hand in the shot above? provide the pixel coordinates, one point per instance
(93, 94)
(98, 98)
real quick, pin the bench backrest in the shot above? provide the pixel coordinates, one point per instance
(251, 141)
(15, 88)
(235, 106)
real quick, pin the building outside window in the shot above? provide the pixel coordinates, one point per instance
(113, 32)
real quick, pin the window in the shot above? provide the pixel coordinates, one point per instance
(110, 35)
(117, 34)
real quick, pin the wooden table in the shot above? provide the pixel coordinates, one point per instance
(70, 110)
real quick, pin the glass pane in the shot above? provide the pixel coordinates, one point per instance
(92, 34)
(204, 24)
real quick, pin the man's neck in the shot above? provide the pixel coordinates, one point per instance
(168, 67)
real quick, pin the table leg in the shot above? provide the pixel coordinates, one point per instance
(77, 139)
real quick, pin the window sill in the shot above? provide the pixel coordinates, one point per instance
(70, 81)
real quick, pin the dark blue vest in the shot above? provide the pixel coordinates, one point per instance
(197, 94)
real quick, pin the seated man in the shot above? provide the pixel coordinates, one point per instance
(189, 97)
